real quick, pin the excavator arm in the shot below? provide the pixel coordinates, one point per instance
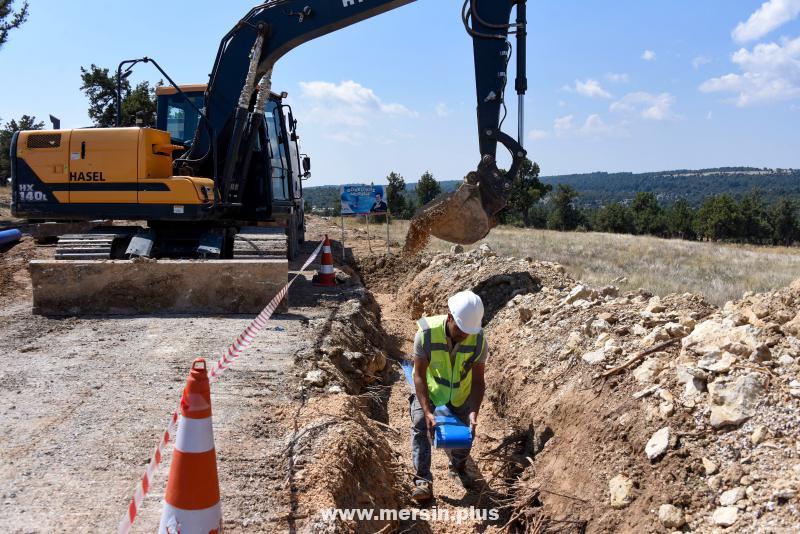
(241, 81)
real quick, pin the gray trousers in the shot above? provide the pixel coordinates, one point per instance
(421, 444)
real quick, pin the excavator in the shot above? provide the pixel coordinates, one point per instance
(219, 181)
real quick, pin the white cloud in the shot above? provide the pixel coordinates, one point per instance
(594, 126)
(646, 105)
(348, 109)
(562, 104)
(614, 77)
(562, 125)
(710, 115)
(771, 15)
(442, 110)
(538, 135)
(769, 73)
(699, 61)
(648, 55)
(353, 95)
(590, 88)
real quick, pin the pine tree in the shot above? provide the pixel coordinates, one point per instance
(615, 218)
(101, 89)
(26, 122)
(681, 220)
(427, 188)
(9, 20)
(395, 195)
(648, 217)
(719, 218)
(785, 226)
(756, 226)
(563, 215)
(526, 192)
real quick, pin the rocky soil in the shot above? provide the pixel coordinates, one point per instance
(632, 412)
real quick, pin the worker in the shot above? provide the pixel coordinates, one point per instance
(453, 341)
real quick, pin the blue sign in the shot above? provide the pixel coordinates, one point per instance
(363, 199)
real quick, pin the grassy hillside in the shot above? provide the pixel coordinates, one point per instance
(600, 188)
(720, 272)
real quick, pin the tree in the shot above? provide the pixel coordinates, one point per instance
(101, 90)
(615, 218)
(756, 226)
(680, 219)
(719, 218)
(427, 188)
(526, 192)
(564, 216)
(26, 122)
(395, 195)
(785, 226)
(648, 217)
(10, 20)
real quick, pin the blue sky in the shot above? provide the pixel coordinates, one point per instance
(615, 86)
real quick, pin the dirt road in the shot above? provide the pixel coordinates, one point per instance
(83, 402)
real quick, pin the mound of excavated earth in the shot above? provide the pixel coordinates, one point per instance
(639, 413)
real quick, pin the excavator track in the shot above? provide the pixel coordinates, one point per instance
(260, 243)
(85, 246)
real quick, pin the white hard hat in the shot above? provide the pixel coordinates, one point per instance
(467, 310)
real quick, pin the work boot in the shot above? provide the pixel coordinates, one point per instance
(422, 492)
(461, 474)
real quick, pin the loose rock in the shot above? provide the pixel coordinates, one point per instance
(658, 444)
(725, 516)
(671, 516)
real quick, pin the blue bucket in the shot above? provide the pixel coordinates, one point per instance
(451, 432)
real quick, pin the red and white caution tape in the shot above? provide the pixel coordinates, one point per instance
(224, 363)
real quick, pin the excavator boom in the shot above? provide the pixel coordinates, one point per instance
(243, 68)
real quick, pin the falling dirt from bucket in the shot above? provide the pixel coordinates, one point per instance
(457, 217)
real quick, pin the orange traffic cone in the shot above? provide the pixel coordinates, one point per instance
(326, 276)
(191, 503)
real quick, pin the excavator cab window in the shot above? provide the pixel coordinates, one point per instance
(181, 118)
(279, 170)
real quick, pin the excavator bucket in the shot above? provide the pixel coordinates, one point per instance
(457, 217)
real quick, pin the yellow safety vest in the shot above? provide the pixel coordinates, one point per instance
(446, 383)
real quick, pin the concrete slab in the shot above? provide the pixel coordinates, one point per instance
(130, 287)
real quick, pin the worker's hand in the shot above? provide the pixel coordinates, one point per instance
(473, 422)
(430, 422)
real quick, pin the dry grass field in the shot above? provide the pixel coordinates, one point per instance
(718, 271)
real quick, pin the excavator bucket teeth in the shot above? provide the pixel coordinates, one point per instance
(457, 217)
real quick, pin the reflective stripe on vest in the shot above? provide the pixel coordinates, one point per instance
(448, 383)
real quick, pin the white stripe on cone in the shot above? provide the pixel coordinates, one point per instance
(326, 250)
(177, 521)
(326, 269)
(195, 435)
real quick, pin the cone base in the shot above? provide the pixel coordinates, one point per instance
(174, 520)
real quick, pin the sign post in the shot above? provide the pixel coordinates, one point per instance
(359, 199)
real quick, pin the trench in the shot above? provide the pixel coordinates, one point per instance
(502, 498)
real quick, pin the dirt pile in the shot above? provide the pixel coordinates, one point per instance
(633, 412)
